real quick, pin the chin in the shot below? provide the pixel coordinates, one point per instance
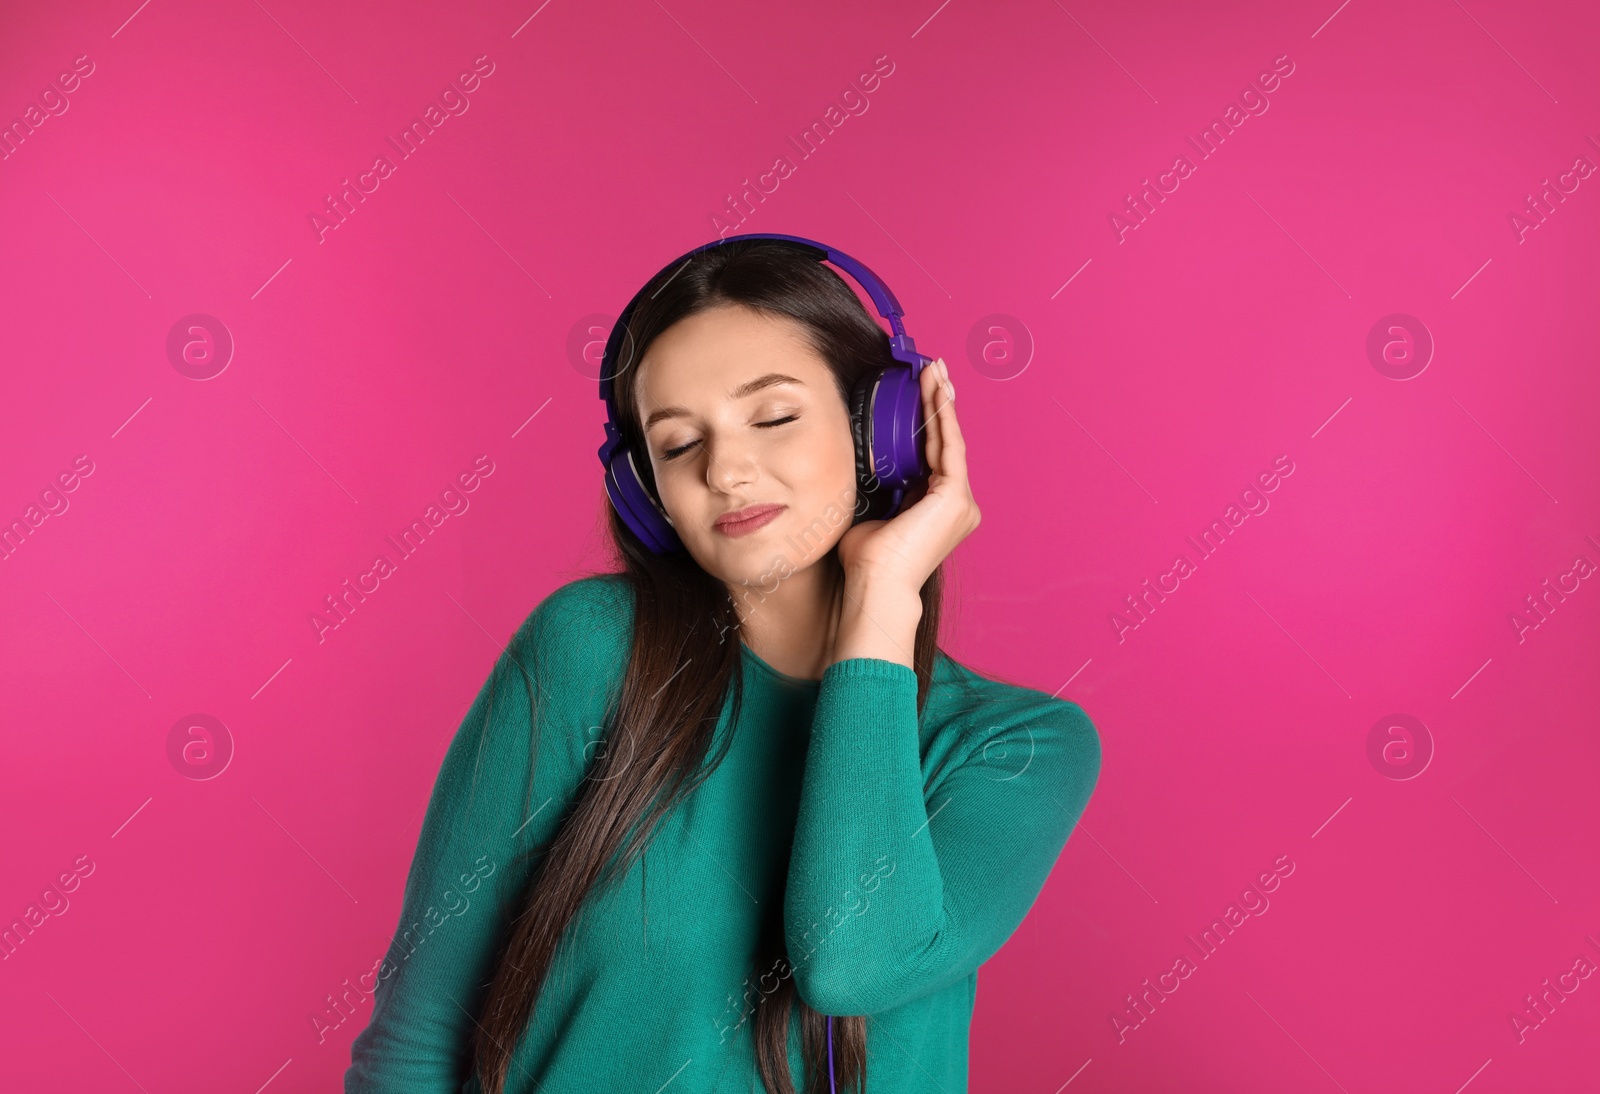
(759, 567)
(748, 564)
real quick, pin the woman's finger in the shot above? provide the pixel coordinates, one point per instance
(952, 446)
(932, 396)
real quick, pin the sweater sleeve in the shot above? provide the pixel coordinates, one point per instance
(470, 864)
(900, 885)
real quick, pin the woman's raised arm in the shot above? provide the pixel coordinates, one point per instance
(898, 888)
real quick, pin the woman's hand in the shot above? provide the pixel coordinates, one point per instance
(903, 552)
(886, 562)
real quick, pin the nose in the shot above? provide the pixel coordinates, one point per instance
(731, 466)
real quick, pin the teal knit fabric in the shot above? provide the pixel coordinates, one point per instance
(902, 851)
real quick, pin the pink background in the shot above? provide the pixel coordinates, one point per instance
(370, 369)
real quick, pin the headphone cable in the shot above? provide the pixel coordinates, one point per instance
(831, 1085)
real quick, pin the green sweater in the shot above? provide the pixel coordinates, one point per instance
(914, 849)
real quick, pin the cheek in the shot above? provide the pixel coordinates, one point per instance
(819, 464)
(676, 490)
(823, 479)
(829, 449)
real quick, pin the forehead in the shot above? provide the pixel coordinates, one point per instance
(710, 352)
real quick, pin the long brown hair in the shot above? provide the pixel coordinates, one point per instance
(682, 669)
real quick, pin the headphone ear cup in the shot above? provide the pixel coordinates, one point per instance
(872, 498)
(637, 508)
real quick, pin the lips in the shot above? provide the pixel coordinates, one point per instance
(747, 520)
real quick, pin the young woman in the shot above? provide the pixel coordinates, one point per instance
(728, 819)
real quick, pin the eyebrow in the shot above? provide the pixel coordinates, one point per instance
(744, 390)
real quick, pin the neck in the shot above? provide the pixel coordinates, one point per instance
(793, 627)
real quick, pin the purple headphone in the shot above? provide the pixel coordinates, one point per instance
(885, 415)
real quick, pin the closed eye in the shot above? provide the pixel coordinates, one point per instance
(674, 453)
